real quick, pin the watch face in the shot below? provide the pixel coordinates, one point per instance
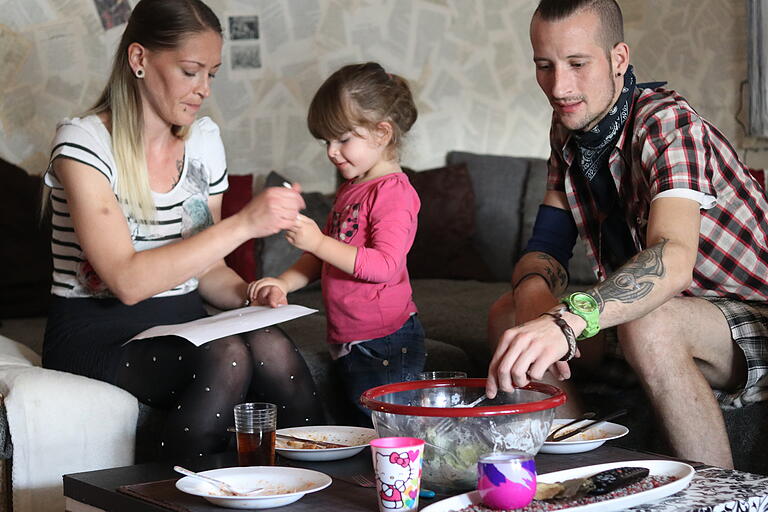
(584, 302)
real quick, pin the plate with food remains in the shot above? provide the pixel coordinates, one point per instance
(575, 489)
(267, 486)
(585, 441)
(321, 443)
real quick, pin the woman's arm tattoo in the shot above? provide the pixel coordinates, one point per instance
(635, 280)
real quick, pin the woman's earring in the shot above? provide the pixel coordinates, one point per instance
(140, 73)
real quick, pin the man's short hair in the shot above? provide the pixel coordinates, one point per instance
(609, 12)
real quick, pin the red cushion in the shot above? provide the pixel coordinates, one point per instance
(242, 260)
(759, 175)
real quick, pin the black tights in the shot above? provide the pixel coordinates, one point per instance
(200, 385)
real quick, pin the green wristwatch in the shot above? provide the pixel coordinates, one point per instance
(584, 305)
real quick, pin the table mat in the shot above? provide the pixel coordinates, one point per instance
(164, 494)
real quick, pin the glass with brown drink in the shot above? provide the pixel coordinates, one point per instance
(255, 425)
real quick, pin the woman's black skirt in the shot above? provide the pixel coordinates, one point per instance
(85, 335)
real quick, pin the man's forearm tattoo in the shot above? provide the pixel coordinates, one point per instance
(635, 280)
(558, 278)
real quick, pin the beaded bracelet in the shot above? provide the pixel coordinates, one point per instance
(570, 337)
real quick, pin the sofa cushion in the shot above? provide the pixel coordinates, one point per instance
(243, 260)
(443, 247)
(498, 183)
(25, 254)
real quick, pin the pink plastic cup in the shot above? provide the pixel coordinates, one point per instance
(506, 480)
(397, 466)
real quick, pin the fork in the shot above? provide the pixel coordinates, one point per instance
(364, 481)
(445, 424)
(227, 489)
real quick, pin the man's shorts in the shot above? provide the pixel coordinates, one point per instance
(748, 321)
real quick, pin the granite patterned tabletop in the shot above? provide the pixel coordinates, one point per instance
(716, 490)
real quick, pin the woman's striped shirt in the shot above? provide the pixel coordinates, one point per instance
(179, 213)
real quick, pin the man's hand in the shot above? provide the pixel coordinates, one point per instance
(527, 351)
(304, 234)
(269, 291)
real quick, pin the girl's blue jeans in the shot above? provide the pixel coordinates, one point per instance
(397, 357)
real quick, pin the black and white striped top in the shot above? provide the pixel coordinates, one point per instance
(180, 213)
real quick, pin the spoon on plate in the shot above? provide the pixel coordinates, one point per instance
(224, 487)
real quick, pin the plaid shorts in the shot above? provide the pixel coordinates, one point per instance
(748, 321)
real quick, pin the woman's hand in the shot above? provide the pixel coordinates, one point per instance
(273, 210)
(305, 234)
(270, 291)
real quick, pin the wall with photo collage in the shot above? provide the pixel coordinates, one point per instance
(469, 63)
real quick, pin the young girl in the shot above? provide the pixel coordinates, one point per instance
(362, 113)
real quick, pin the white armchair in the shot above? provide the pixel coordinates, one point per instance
(59, 423)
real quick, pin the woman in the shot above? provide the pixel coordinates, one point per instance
(138, 240)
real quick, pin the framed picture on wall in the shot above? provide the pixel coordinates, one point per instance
(243, 36)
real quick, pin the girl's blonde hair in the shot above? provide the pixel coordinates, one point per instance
(156, 25)
(362, 95)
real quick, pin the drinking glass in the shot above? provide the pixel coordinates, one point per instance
(442, 397)
(445, 374)
(255, 425)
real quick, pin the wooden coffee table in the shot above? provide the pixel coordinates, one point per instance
(96, 491)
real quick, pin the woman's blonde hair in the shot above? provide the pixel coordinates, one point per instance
(156, 25)
(362, 95)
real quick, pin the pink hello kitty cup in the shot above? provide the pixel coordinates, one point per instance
(397, 467)
(506, 480)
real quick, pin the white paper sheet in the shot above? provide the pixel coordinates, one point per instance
(235, 321)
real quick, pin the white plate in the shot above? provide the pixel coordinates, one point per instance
(683, 473)
(585, 441)
(356, 438)
(283, 485)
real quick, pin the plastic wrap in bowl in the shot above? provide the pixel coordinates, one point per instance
(457, 436)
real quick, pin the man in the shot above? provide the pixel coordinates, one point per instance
(673, 223)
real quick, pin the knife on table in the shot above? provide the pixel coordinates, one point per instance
(595, 485)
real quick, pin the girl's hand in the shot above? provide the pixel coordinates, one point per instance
(304, 234)
(269, 291)
(272, 210)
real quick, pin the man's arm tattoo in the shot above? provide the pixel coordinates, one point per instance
(557, 277)
(635, 280)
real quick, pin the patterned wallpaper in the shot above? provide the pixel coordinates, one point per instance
(469, 63)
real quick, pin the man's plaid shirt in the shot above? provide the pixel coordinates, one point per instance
(666, 145)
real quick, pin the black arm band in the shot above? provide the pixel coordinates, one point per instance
(554, 233)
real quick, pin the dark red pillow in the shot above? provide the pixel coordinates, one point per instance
(242, 260)
(759, 175)
(443, 248)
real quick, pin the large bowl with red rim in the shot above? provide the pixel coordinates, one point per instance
(456, 435)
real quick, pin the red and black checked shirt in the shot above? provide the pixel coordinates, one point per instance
(666, 145)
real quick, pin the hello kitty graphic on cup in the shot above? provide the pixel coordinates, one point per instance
(397, 465)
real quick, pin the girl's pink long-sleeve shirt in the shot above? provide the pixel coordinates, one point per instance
(379, 217)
